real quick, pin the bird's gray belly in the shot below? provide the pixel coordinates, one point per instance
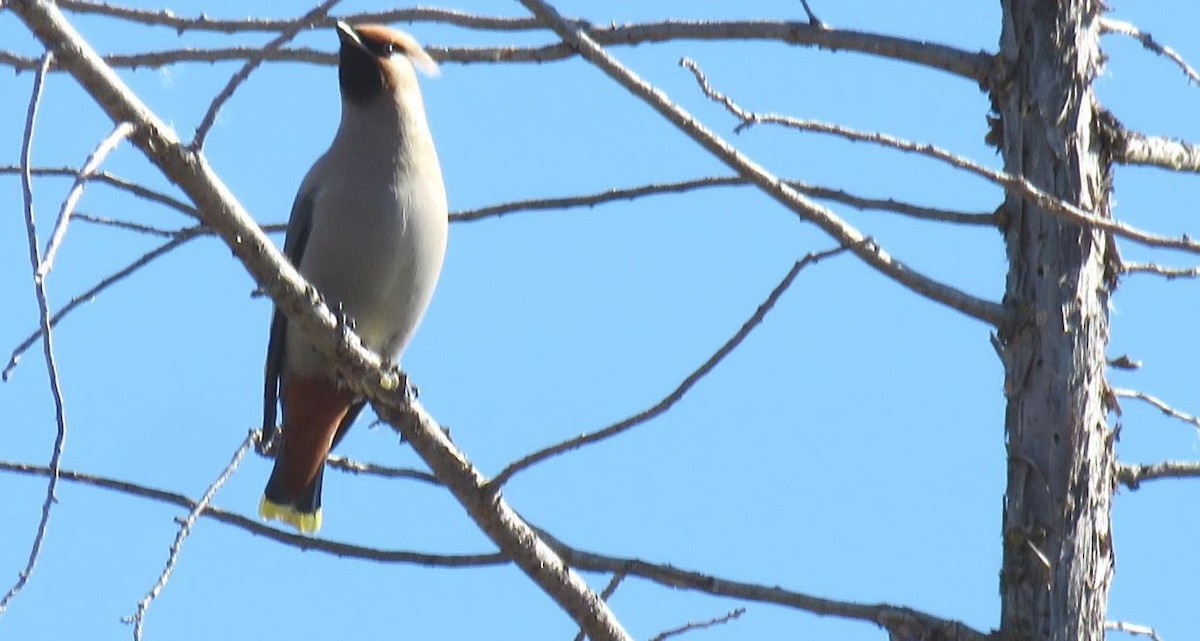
(376, 265)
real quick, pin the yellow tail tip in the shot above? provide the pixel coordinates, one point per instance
(305, 522)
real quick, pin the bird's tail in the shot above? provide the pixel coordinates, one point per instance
(302, 512)
(315, 413)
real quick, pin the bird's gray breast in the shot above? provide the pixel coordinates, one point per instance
(376, 247)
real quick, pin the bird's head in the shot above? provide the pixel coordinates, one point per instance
(377, 60)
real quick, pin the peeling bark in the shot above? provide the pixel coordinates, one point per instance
(1058, 557)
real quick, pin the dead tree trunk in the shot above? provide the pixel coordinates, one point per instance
(1058, 556)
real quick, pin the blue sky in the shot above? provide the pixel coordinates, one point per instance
(851, 448)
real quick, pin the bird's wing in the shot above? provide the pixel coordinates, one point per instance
(299, 226)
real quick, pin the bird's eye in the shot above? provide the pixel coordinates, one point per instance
(391, 49)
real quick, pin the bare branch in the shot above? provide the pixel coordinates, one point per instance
(978, 66)
(1131, 476)
(257, 528)
(346, 464)
(1016, 184)
(138, 619)
(671, 399)
(1109, 25)
(700, 625)
(630, 193)
(1162, 405)
(361, 369)
(1125, 362)
(94, 160)
(105, 221)
(180, 238)
(39, 287)
(812, 17)
(114, 181)
(846, 235)
(1135, 148)
(1170, 273)
(1132, 629)
(900, 621)
(181, 24)
(253, 63)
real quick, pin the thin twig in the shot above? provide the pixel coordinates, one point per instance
(346, 464)
(871, 253)
(60, 416)
(114, 181)
(94, 160)
(258, 528)
(901, 622)
(1110, 25)
(630, 193)
(700, 625)
(1132, 629)
(812, 17)
(1132, 476)
(105, 221)
(181, 24)
(1016, 184)
(605, 594)
(253, 63)
(979, 66)
(181, 237)
(1170, 273)
(894, 618)
(670, 399)
(138, 618)
(1160, 404)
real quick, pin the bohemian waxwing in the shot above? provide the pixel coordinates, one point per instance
(368, 229)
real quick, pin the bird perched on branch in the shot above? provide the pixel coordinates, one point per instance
(368, 229)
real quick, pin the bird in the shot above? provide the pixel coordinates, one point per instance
(368, 229)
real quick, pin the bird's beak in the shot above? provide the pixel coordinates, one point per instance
(346, 33)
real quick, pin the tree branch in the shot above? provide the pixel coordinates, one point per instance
(300, 302)
(846, 235)
(1158, 403)
(112, 180)
(181, 24)
(94, 160)
(1110, 25)
(258, 528)
(1131, 476)
(1135, 148)
(1015, 184)
(138, 619)
(1170, 273)
(980, 66)
(39, 287)
(902, 622)
(290, 32)
(1132, 629)
(671, 399)
(700, 625)
(631, 193)
(181, 237)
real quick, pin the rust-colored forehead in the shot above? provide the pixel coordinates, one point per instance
(378, 35)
